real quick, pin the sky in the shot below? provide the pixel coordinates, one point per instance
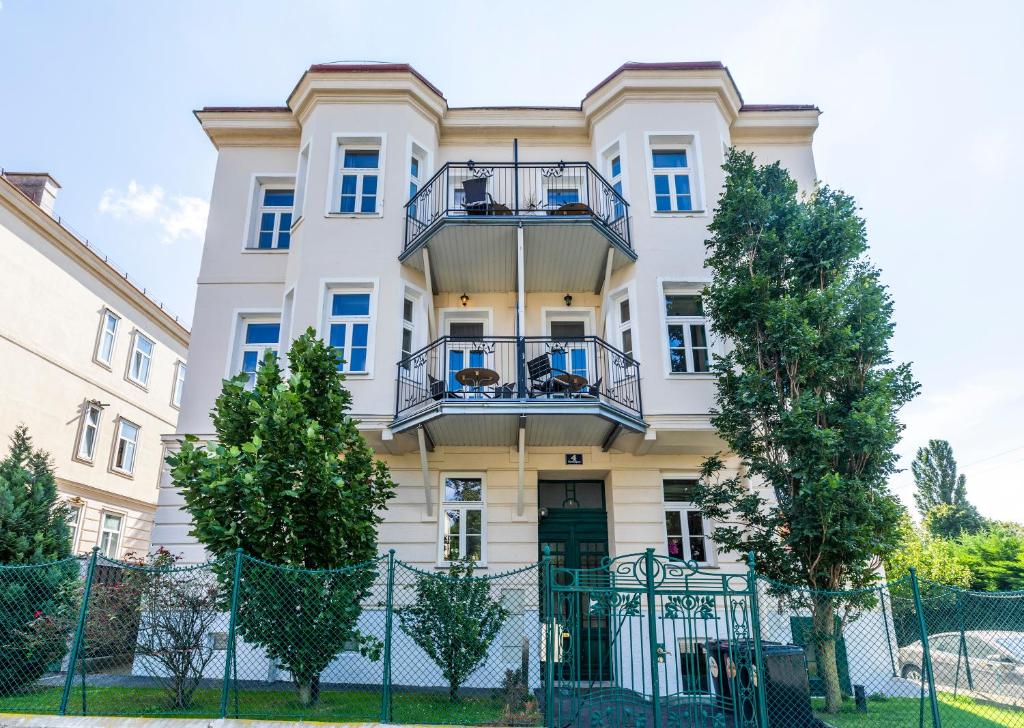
(922, 122)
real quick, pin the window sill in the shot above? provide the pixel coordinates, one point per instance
(83, 461)
(691, 375)
(264, 251)
(99, 363)
(357, 375)
(677, 213)
(144, 386)
(355, 215)
(121, 473)
(446, 565)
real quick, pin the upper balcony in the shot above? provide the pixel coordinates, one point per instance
(467, 217)
(482, 390)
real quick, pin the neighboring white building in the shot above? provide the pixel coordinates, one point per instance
(91, 365)
(457, 254)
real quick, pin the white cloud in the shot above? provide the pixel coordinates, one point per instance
(179, 216)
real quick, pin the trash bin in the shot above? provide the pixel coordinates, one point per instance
(787, 693)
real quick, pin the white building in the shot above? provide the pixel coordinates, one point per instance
(91, 365)
(516, 291)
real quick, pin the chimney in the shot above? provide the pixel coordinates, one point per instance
(39, 187)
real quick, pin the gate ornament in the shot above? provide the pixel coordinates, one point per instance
(685, 606)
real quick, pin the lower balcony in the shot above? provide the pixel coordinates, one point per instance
(482, 391)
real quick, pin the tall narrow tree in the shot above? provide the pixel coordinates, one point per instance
(293, 482)
(807, 395)
(37, 603)
(941, 493)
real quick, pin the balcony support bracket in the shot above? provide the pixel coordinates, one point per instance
(521, 487)
(610, 440)
(428, 500)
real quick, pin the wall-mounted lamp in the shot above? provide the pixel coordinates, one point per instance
(542, 513)
(568, 299)
(464, 298)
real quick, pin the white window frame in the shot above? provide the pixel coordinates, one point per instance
(102, 530)
(301, 183)
(241, 319)
(259, 182)
(690, 141)
(101, 334)
(683, 288)
(114, 467)
(682, 507)
(178, 383)
(419, 324)
(328, 287)
(462, 506)
(83, 425)
(414, 149)
(75, 526)
(616, 326)
(616, 149)
(129, 373)
(355, 141)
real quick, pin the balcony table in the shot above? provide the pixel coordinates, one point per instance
(572, 382)
(477, 377)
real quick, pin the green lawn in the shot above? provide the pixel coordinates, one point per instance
(334, 705)
(956, 712)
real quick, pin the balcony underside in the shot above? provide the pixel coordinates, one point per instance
(489, 424)
(478, 253)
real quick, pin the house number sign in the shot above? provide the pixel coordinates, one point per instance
(574, 458)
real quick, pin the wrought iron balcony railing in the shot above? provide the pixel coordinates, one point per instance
(477, 190)
(503, 369)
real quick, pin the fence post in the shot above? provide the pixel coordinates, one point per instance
(652, 634)
(229, 656)
(549, 644)
(76, 643)
(755, 628)
(389, 611)
(926, 658)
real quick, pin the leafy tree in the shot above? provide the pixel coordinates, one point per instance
(37, 605)
(454, 620)
(290, 481)
(940, 487)
(995, 557)
(936, 559)
(807, 397)
(950, 521)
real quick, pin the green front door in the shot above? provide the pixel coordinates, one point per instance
(575, 528)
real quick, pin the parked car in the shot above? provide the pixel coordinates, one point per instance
(981, 661)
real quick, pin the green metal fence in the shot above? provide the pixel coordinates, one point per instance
(638, 642)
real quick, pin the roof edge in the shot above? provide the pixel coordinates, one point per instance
(375, 68)
(662, 66)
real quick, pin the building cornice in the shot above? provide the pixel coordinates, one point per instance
(249, 126)
(661, 82)
(782, 125)
(532, 125)
(392, 83)
(704, 81)
(64, 240)
(67, 486)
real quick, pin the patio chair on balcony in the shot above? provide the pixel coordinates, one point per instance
(478, 200)
(505, 391)
(436, 388)
(542, 376)
(592, 390)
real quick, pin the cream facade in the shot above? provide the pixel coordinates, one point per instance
(92, 366)
(516, 293)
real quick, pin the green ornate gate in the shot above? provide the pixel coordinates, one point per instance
(643, 641)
